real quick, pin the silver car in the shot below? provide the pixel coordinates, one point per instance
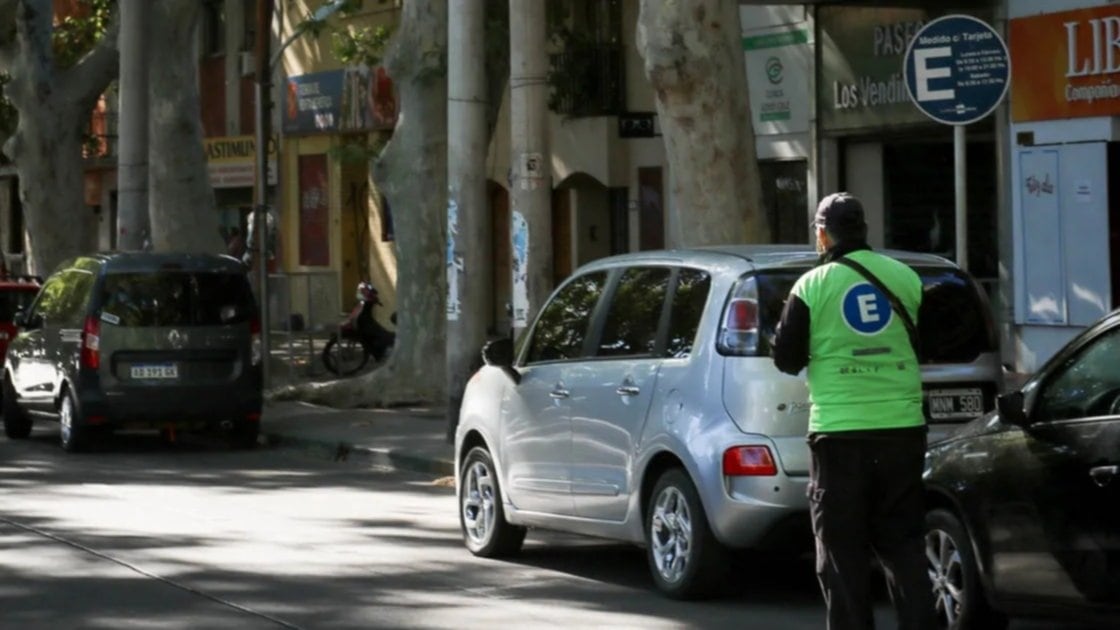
(642, 405)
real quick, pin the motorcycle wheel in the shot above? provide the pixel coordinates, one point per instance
(344, 356)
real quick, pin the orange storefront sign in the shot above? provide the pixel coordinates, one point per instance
(1065, 65)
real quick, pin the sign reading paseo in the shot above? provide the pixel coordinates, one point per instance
(1065, 65)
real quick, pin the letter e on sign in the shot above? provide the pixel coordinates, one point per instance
(926, 73)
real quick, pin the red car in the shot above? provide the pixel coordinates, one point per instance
(16, 294)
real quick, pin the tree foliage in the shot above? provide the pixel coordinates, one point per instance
(72, 38)
(75, 35)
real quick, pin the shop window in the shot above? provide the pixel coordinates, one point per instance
(213, 28)
(785, 199)
(248, 24)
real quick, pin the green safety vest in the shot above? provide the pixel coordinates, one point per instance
(863, 373)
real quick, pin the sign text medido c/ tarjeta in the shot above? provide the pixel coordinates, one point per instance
(957, 69)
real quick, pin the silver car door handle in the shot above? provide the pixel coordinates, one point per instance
(1103, 475)
(628, 390)
(559, 393)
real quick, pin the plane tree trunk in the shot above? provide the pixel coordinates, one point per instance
(182, 206)
(54, 107)
(694, 61)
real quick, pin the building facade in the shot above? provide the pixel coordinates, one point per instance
(1064, 170)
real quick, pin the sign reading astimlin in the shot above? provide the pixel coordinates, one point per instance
(1065, 65)
(956, 69)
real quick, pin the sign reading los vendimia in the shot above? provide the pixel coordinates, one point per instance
(1065, 65)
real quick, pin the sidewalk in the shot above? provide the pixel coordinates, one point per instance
(411, 439)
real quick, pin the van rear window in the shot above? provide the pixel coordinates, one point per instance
(14, 300)
(174, 298)
(954, 322)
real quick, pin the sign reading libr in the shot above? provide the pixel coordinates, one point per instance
(957, 69)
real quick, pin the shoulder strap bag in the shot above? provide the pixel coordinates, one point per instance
(896, 304)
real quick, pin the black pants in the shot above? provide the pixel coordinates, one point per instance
(866, 498)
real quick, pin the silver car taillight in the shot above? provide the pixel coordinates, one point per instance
(738, 335)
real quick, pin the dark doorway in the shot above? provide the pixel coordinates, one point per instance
(15, 219)
(561, 235)
(921, 207)
(620, 220)
(651, 212)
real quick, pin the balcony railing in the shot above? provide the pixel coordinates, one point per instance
(587, 81)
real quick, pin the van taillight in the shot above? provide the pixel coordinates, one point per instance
(91, 344)
(255, 347)
(738, 336)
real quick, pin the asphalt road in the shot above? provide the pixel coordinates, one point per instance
(141, 535)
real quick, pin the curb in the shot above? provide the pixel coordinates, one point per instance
(380, 458)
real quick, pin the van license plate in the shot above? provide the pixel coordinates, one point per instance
(154, 371)
(955, 404)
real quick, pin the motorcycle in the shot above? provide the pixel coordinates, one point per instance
(359, 336)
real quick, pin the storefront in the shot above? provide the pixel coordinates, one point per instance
(1065, 160)
(231, 166)
(340, 225)
(875, 143)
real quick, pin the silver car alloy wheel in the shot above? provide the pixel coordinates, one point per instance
(671, 534)
(947, 574)
(66, 419)
(479, 508)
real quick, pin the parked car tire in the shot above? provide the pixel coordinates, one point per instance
(74, 435)
(958, 593)
(17, 424)
(482, 518)
(344, 357)
(243, 435)
(686, 560)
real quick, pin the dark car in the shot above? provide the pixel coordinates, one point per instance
(16, 294)
(138, 341)
(1024, 503)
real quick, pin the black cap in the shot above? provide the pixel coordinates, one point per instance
(840, 211)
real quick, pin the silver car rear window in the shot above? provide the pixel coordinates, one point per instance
(954, 322)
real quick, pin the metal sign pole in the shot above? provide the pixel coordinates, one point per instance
(260, 212)
(960, 181)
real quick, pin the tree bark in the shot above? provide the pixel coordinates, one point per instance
(54, 107)
(694, 61)
(412, 172)
(182, 207)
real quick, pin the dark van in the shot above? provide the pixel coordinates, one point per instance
(138, 341)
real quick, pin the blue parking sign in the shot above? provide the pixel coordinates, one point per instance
(957, 69)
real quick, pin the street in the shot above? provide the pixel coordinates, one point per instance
(143, 535)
